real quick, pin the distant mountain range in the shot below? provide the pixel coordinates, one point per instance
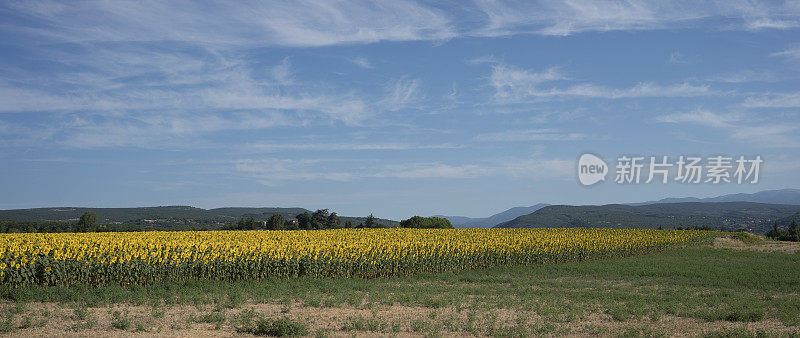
(782, 196)
(509, 217)
(488, 222)
(163, 216)
(758, 217)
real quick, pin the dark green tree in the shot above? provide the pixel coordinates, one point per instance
(248, 224)
(775, 233)
(276, 222)
(319, 219)
(793, 233)
(333, 221)
(370, 222)
(304, 221)
(87, 222)
(426, 223)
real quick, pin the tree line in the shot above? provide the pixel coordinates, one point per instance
(86, 223)
(791, 234)
(320, 219)
(323, 219)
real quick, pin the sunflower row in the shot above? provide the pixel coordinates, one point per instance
(138, 258)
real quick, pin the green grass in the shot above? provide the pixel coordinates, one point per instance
(216, 318)
(120, 321)
(747, 238)
(360, 323)
(281, 327)
(702, 282)
(249, 321)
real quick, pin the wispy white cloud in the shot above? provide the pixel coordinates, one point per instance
(433, 170)
(274, 171)
(138, 75)
(510, 81)
(107, 119)
(139, 69)
(516, 85)
(565, 18)
(125, 93)
(282, 73)
(14, 134)
(299, 23)
(791, 53)
(557, 116)
(744, 76)
(783, 163)
(774, 135)
(271, 171)
(401, 93)
(362, 62)
(774, 100)
(154, 131)
(678, 58)
(760, 15)
(348, 109)
(531, 168)
(770, 23)
(483, 59)
(323, 23)
(346, 146)
(647, 89)
(530, 135)
(560, 18)
(320, 24)
(740, 128)
(702, 117)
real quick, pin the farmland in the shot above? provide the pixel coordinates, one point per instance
(150, 257)
(728, 288)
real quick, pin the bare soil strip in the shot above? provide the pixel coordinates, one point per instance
(49, 319)
(765, 245)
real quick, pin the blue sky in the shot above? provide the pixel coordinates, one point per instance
(396, 108)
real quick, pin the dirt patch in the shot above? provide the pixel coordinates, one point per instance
(188, 321)
(764, 246)
(602, 324)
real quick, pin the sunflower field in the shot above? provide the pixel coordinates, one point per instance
(148, 257)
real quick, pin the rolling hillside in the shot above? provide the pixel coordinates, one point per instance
(163, 216)
(491, 221)
(782, 196)
(754, 216)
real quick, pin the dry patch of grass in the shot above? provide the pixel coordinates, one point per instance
(763, 245)
(394, 320)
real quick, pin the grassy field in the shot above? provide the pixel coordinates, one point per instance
(729, 289)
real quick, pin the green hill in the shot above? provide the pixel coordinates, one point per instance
(491, 221)
(757, 217)
(239, 212)
(163, 216)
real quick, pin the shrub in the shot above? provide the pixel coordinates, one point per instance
(746, 238)
(426, 223)
(281, 327)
